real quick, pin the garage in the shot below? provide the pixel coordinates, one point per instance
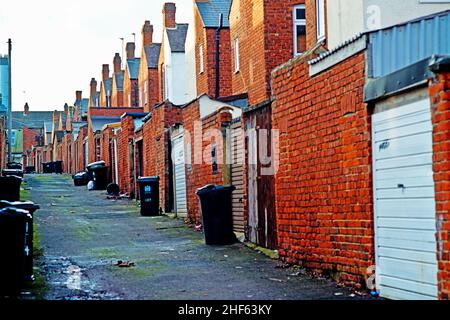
(404, 198)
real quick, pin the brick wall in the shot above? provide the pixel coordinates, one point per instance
(200, 142)
(29, 138)
(123, 146)
(157, 156)
(80, 165)
(440, 100)
(130, 92)
(206, 37)
(324, 183)
(264, 29)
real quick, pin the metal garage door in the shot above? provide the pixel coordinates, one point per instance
(237, 176)
(179, 176)
(405, 212)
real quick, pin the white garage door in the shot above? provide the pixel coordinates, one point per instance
(179, 176)
(405, 211)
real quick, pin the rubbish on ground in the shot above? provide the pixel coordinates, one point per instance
(282, 265)
(276, 280)
(125, 264)
(198, 228)
(90, 185)
(338, 294)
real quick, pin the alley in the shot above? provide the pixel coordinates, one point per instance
(82, 236)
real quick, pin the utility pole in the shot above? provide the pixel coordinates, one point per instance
(10, 122)
(123, 50)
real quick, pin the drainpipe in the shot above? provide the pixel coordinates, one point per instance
(218, 55)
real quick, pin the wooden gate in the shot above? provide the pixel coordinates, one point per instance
(260, 185)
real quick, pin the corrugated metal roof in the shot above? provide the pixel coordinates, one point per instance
(210, 12)
(397, 47)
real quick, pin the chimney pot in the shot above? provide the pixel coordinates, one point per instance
(130, 50)
(78, 95)
(147, 34)
(169, 13)
(26, 108)
(93, 87)
(117, 63)
(105, 72)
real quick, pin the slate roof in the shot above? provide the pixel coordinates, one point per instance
(119, 80)
(133, 67)
(177, 37)
(99, 122)
(108, 86)
(152, 53)
(84, 105)
(59, 136)
(210, 12)
(34, 120)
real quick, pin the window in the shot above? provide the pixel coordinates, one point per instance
(299, 29)
(236, 55)
(320, 19)
(200, 58)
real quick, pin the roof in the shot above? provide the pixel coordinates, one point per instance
(152, 53)
(99, 122)
(84, 105)
(133, 67)
(108, 86)
(177, 37)
(210, 12)
(119, 80)
(34, 119)
(59, 135)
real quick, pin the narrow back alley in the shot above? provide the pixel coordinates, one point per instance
(83, 235)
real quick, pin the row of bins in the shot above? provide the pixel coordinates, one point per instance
(96, 172)
(16, 237)
(52, 167)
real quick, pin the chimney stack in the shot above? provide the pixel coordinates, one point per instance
(131, 46)
(117, 62)
(78, 95)
(169, 13)
(66, 108)
(55, 116)
(105, 72)
(93, 87)
(26, 108)
(147, 34)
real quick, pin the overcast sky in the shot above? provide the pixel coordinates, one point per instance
(59, 45)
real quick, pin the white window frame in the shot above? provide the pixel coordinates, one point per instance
(237, 64)
(201, 59)
(298, 22)
(320, 19)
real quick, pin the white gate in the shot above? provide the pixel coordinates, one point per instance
(404, 196)
(179, 174)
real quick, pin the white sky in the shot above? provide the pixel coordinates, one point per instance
(59, 45)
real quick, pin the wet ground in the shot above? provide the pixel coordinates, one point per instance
(82, 235)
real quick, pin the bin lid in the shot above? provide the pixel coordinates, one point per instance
(213, 188)
(98, 163)
(28, 205)
(15, 211)
(11, 177)
(148, 179)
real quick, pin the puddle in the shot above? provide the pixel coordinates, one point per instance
(74, 280)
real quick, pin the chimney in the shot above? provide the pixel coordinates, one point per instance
(93, 87)
(169, 12)
(130, 50)
(147, 34)
(105, 72)
(55, 116)
(78, 95)
(66, 108)
(117, 62)
(26, 109)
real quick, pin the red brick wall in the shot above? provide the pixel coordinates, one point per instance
(123, 146)
(265, 32)
(206, 37)
(440, 100)
(156, 155)
(80, 148)
(201, 174)
(324, 183)
(29, 138)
